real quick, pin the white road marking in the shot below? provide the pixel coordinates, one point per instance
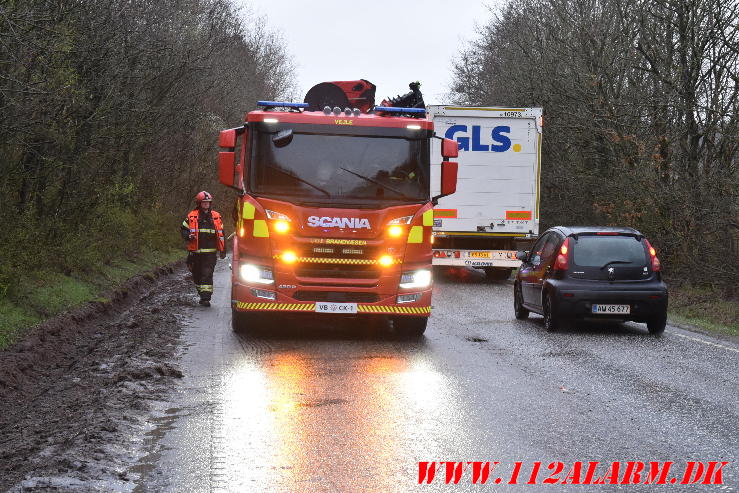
(706, 342)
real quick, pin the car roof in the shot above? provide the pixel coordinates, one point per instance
(576, 230)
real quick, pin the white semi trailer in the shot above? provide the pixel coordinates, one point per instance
(495, 210)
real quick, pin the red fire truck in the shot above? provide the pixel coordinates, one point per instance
(334, 214)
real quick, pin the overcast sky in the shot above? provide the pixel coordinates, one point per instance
(389, 43)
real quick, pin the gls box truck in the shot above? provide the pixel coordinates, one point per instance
(495, 210)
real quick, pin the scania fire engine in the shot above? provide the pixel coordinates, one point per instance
(334, 214)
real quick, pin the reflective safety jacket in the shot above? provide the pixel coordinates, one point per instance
(202, 235)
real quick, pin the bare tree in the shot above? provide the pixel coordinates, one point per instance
(641, 123)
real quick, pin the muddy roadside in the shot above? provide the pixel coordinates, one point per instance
(78, 393)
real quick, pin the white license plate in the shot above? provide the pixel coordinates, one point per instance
(612, 309)
(336, 307)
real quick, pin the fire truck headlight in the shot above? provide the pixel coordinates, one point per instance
(395, 230)
(282, 226)
(401, 220)
(280, 221)
(415, 279)
(255, 273)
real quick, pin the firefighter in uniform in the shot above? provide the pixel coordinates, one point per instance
(202, 229)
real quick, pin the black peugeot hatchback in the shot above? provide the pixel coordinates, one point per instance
(602, 273)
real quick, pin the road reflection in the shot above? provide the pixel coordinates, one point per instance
(319, 409)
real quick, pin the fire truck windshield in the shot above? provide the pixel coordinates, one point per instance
(332, 168)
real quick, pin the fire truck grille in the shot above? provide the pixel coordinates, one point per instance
(336, 296)
(329, 250)
(338, 271)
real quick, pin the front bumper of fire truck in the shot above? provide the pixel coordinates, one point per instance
(397, 289)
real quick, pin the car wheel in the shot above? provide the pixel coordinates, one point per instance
(521, 312)
(410, 326)
(551, 319)
(656, 325)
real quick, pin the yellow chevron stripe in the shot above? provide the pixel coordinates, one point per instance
(319, 260)
(306, 307)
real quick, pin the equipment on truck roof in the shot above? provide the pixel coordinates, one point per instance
(413, 99)
(360, 94)
(344, 94)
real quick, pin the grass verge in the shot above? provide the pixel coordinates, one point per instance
(44, 294)
(704, 308)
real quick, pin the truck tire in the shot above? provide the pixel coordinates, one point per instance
(410, 326)
(497, 273)
(656, 325)
(241, 322)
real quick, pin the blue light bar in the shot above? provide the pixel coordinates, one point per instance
(393, 109)
(281, 104)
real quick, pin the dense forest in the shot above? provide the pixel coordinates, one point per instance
(109, 114)
(641, 125)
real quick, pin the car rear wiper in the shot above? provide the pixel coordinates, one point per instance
(301, 180)
(616, 262)
(386, 187)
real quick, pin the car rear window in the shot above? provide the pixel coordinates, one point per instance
(596, 251)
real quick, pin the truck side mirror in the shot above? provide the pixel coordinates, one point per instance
(449, 177)
(227, 138)
(230, 173)
(448, 180)
(227, 168)
(449, 149)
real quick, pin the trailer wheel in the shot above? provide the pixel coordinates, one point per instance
(497, 273)
(410, 326)
(241, 322)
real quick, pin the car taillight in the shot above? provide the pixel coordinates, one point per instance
(656, 265)
(562, 262)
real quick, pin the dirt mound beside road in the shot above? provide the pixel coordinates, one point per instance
(79, 389)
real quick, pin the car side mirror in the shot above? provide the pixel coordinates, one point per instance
(521, 255)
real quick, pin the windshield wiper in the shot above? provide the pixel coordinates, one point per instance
(386, 187)
(301, 180)
(616, 262)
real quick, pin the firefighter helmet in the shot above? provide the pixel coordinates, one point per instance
(203, 197)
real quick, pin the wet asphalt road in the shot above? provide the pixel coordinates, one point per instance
(339, 407)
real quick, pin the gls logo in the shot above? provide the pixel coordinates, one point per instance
(501, 142)
(338, 222)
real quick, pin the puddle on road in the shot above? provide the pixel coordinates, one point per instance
(146, 464)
